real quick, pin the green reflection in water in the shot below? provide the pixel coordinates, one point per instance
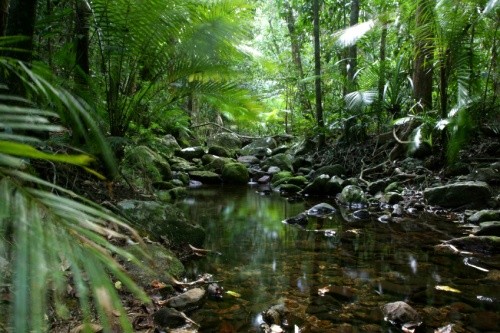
(366, 264)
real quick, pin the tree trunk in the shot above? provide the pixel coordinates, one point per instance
(297, 60)
(4, 14)
(424, 48)
(21, 22)
(82, 68)
(317, 73)
(381, 75)
(352, 53)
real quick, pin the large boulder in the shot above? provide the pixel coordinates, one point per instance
(142, 167)
(471, 193)
(162, 220)
(179, 164)
(167, 145)
(165, 264)
(206, 177)
(282, 161)
(230, 141)
(260, 148)
(323, 185)
(330, 170)
(485, 215)
(191, 153)
(188, 300)
(235, 173)
(352, 195)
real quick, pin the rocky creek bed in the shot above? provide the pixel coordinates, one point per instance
(351, 256)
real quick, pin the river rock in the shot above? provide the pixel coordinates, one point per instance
(352, 195)
(164, 264)
(278, 178)
(488, 175)
(477, 244)
(235, 173)
(162, 220)
(300, 219)
(181, 165)
(220, 151)
(321, 210)
(260, 148)
(166, 145)
(191, 153)
(168, 318)
(330, 170)
(401, 314)
(229, 141)
(378, 186)
(216, 164)
(490, 228)
(469, 193)
(282, 161)
(248, 160)
(189, 300)
(142, 167)
(206, 177)
(287, 190)
(485, 215)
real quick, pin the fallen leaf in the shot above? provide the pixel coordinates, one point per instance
(233, 293)
(158, 284)
(118, 285)
(447, 288)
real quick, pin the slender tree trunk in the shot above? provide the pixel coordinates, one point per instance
(82, 68)
(424, 48)
(21, 22)
(4, 14)
(297, 60)
(352, 53)
(317, 73)
(381, 76)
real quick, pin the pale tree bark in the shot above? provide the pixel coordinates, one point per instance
(297, 59)
(317, 73)
(352, 51)
(424, 50)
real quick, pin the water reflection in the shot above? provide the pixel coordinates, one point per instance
(364, 264)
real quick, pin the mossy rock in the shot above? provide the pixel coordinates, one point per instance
(143, 167)
(218, 164)
(282, 161)
(162, 220)
(330, 170)
(167, 146)
(220, 151)
(180, 164)
(206, 177)
(163, 266)
(351, 195)
(229, 141)
(190, 153)
(485, 215)
(235, 173)
(277, 177)
(289, 189)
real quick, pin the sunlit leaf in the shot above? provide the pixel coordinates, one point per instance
(447, 288)
(351, 35)
(233, 293)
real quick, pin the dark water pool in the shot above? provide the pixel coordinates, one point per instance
(362, 265)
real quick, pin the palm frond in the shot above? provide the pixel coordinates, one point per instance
(48, 233)
(350, 35)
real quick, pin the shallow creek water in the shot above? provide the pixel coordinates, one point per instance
(363, 264)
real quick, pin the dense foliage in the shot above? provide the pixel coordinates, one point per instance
(329, 68)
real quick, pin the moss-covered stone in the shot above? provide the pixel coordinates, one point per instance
(165, 264)
(282, 161)
(235, 173)
(143, 167)
(162, 220)
(330, 170)
(206, 177)
(281, 175)
(352, 194)
(220, 151)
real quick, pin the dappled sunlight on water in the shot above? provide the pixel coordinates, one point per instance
(359, 265)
